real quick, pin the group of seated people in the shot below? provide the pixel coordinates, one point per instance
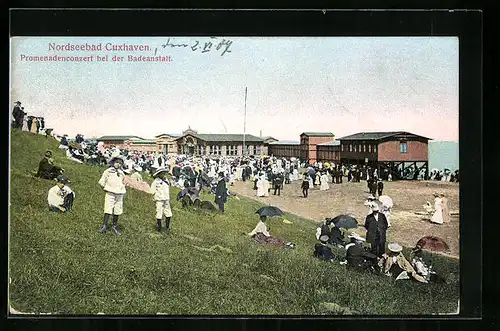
(358, 257)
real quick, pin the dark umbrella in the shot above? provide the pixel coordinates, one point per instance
(345, 222)
(270, 211)
(433, 243)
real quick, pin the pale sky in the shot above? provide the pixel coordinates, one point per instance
(342, 85)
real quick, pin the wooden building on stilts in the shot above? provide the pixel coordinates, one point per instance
(402, 154)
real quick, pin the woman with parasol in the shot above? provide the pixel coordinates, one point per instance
(261, 231)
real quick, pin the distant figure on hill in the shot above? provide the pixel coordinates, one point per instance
(18, 115)
(112, 181)
(60, 197)
(47, 169)
(161, 190)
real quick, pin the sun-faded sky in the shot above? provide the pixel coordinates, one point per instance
(341, 85)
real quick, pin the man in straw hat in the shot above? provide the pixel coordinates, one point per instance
(60, 197)
(161, 190)
(376, 228)
(397, 265)
(112, 181)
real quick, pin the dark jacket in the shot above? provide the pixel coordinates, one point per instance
(356, 255)
(18, 112)
(323, 252)
(47, 170)
(305, 184)
(221, 192)
(373, 226)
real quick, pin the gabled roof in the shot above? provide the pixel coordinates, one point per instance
(378, 135)
(317, 134)
(225, 137)
(268, 137)
(118, 138)
(330, 143)
(144, 141)
(285, 142)
(169, 134)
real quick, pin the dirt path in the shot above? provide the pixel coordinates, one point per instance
(408, 196)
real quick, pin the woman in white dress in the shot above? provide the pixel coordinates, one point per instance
(260, 186)
(317, 181)
(266, 186)
(295, 174)
(324, 182)
(438, 207)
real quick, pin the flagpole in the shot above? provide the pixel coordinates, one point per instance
(245, 123)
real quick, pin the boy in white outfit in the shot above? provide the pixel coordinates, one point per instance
(160, 187)
(60, 197)
(112, 181)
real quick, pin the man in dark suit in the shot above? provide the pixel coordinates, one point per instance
(221, 192)
(380, 187)
(376, 227)
(356, 256)
(47, 169)
(18, 115)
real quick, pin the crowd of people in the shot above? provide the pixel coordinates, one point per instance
(214, 173)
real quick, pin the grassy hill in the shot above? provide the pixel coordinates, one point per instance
(59, 263)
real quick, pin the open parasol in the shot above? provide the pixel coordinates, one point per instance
(345, 222)
(270, 211)
(433, 243)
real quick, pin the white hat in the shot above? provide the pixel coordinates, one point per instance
(324, 238)
(116, 156)
(396, 248)
(159, 171)
(371, 197)
(355, 236)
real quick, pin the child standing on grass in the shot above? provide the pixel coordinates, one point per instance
(161, 190)
(112, 181)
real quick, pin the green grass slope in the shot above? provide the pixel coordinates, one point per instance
(59, 263)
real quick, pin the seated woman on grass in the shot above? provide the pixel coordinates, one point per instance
(60, 197)
(397, 266)
(261, 235)
(418, 263)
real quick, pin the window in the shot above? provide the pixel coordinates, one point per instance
(342, 148)
(350, 148)
(355, 149)
(369, 148)
(374, 148)
(254, 149)
(403, 147)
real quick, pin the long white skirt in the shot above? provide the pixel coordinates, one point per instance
(324, 186)
(260, 188)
